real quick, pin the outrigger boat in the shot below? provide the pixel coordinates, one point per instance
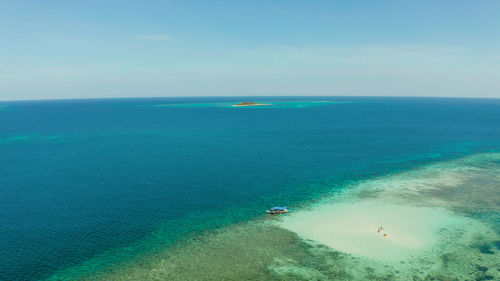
(277, 211)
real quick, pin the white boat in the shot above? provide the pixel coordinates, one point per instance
(277, 211)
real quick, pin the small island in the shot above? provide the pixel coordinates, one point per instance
(250, 103)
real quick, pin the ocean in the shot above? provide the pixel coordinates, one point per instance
(92, 188)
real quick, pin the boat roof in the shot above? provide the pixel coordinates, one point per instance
(279, 208)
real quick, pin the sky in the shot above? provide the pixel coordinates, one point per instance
(99, 49)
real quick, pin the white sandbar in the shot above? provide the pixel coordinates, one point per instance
(351, 227)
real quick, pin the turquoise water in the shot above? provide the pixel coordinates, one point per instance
(90, 184)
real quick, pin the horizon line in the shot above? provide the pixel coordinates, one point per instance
(245, 96)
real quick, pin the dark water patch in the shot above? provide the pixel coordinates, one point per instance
(485, 277)
(447, 259)
(482, 268)
(486, 249)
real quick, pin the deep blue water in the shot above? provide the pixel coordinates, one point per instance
(81, 177)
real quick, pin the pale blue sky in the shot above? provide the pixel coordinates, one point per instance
(71, 49)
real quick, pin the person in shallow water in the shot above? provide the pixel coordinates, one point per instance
(380, 228)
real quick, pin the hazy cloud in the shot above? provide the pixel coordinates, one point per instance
(155, 37)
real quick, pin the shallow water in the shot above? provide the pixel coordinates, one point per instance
(442, 220)
(94, 187)
(462, 247)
